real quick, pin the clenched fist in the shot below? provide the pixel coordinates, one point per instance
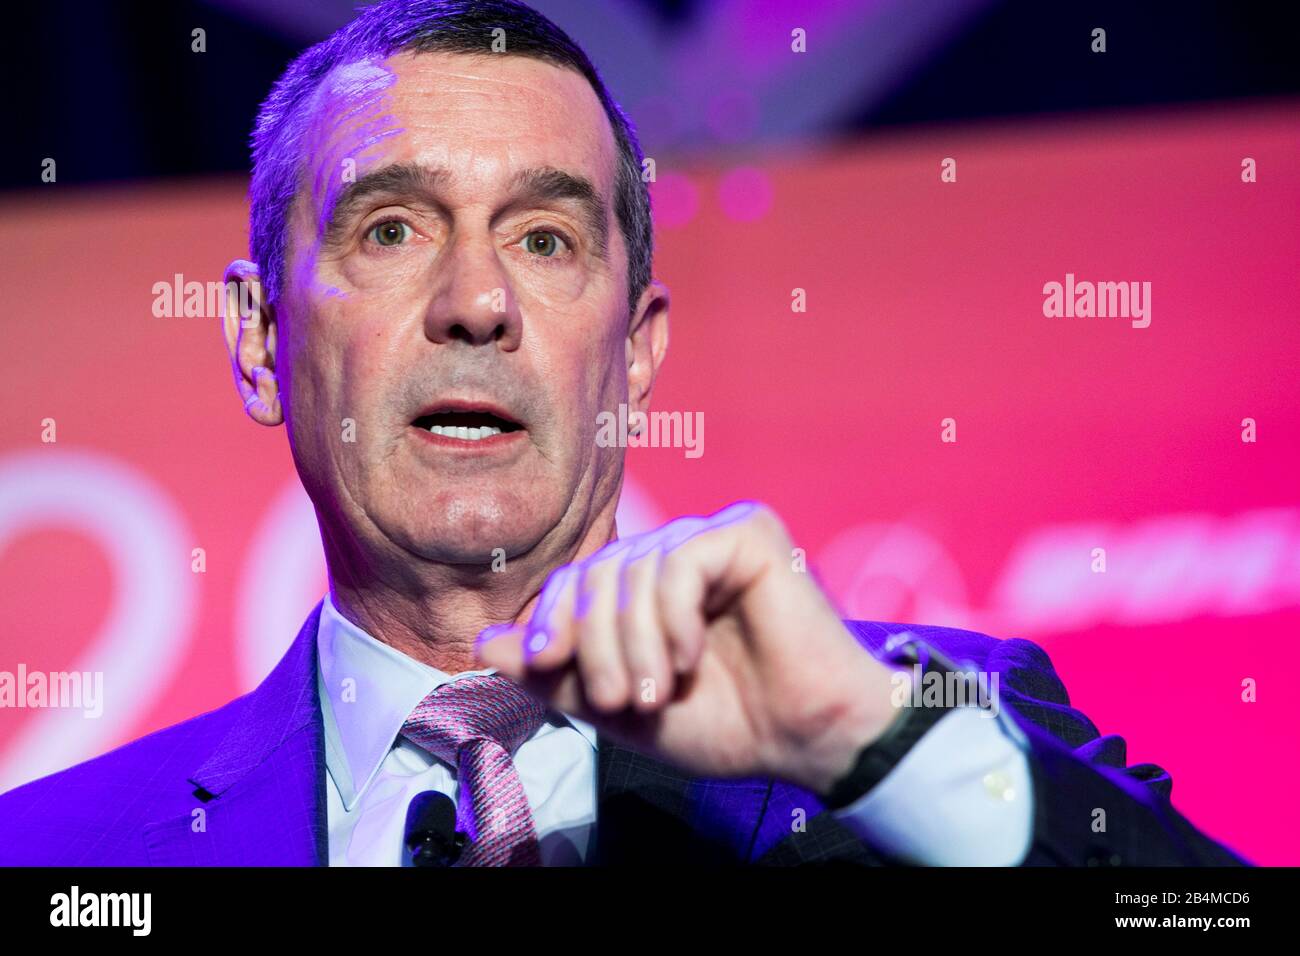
(699, 645)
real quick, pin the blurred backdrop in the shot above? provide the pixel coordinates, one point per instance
(1123, 494)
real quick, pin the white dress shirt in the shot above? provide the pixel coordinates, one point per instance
(961, 796)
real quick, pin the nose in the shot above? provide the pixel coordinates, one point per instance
(472, 301)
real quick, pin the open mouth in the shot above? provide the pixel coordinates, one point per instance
(466, 425)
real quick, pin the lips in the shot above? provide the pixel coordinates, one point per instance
(467, 421)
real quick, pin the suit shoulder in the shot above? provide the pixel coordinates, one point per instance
(1024, 665)
(955, 642)
(117, 789)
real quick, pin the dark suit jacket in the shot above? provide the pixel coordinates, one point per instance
(256, 768)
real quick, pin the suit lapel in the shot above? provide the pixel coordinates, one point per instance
(260, 797)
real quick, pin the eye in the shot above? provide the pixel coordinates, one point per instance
(392, 232)
(544, 243)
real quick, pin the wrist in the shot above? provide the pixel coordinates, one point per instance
(879, 756)
(877, 759)
(865, 715)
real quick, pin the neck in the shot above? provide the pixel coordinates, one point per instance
(434, 612)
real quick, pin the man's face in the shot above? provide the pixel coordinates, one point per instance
(447, 267)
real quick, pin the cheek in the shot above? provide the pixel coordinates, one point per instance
(596, 384)
(329, 362)
(587, 371)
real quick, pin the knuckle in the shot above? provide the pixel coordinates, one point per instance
(643, 564)
(675, 562)
(769, 522)
(604, 564)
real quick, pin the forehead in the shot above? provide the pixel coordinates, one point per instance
(482, 116)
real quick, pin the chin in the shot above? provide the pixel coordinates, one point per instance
(459, 529)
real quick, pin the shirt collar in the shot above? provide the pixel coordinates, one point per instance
(367, 690)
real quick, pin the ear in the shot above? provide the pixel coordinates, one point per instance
(647, 344)
(249, 328)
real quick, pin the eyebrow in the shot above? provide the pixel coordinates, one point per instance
(539, 186)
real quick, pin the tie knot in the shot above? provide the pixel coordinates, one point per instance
(481, 707)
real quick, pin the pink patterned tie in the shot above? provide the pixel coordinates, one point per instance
(476, 724)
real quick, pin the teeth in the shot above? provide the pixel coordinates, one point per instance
(464, 433)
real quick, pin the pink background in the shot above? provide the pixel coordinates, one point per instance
(924, 302)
